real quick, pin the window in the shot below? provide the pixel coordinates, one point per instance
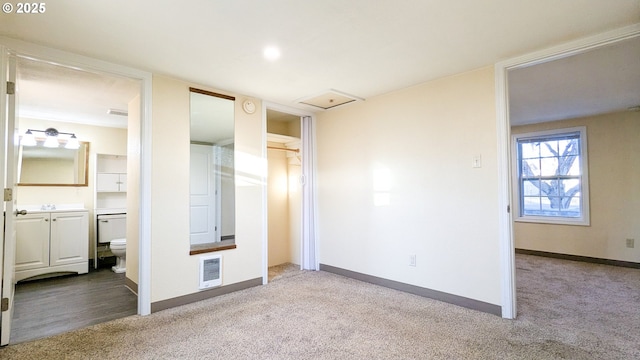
(551, 177)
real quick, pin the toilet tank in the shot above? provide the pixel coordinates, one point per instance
(110, 227)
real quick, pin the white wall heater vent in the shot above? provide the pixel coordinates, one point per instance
(210, 271)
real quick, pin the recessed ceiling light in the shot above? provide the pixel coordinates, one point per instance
(271, 53)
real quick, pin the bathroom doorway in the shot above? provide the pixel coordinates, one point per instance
(94, 106)
(284, 193)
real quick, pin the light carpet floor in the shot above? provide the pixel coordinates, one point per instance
(567, 310)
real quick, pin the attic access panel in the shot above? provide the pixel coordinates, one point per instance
(329, 100)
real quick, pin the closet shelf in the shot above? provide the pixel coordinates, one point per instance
(282, 139)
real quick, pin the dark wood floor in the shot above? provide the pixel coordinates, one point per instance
(52, 306)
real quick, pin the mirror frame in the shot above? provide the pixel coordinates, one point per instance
(86, 172)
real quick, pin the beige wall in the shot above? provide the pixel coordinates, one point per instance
(228, 200)
(133, 190)
(295, 211)
(278, 207)
(104, 140)
(56, 170)
(613, 142)
(414, 147)
(173, 271)
(289, 128)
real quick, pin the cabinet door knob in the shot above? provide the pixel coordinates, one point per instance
(21, 212)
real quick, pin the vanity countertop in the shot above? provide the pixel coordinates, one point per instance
(52, 208)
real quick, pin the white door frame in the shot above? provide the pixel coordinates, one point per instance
(95, 65)
(507, 246)
(265, 231)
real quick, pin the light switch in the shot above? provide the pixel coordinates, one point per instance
(477, 161)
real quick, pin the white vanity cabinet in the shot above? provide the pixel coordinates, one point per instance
(52, 242)
(32, 241)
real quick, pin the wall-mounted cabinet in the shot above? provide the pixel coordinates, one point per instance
(52, 242)
(111, 173)
(110, 181)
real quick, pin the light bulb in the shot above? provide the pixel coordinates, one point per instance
(51, 142)
(72, 143)
(28, 139)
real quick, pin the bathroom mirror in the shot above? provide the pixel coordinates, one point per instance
(212, 183)
(42, 166)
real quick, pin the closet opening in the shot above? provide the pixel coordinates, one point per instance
(284, 193)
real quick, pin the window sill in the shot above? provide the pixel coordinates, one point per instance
(212, 247)
(552, 221)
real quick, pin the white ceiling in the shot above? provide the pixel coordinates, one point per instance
(58, 93)
(358, 47)
(599, 81)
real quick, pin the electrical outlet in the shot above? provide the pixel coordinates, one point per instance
(412, 260)
(631, 243)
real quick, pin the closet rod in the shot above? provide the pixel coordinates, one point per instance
(280, 148)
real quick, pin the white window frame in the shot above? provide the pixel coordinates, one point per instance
(584, 219)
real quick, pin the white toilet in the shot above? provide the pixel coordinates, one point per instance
(119, 249)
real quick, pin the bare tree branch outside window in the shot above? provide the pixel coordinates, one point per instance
(552, 166)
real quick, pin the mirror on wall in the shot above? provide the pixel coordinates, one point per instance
(44, 166)
(212, 184)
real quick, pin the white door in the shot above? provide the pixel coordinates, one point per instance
(8, 169)
(202, 189)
